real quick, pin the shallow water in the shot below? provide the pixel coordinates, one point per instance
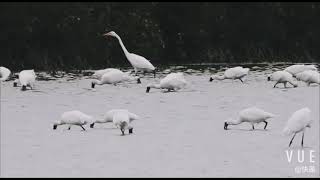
(180, 134)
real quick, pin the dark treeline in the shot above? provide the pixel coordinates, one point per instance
(49, 36)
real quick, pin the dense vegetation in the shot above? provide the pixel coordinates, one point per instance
(60, 35)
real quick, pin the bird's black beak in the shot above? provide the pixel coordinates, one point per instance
(24, 88)
(55, 127)
(131, 131)
(92, 85)
(225, 126)
(91, 125)
(269, 78)
(211, 79)
(15, 84)
(148, 89)
(139, 81)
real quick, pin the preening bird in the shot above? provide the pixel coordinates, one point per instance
(99, 73)
(108, 117)
(4, 73)
(251, 115)
(298, 68)
(232, 73)
(298, 122)
(282, 77)
(114, 77)
(172, 82)
(27, 78)
(76, 118)
(138, 62)
(309, 77)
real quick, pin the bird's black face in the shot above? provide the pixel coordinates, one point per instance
(211, 79)
(24, 88)
(225, 126)
(92, 85)
(15, 84)
(130, 131)
(148, 89)
(92, 125)
(138, 81)
(55, 127)
(269, 78)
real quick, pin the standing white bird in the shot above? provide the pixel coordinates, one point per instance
(298, 122)
(75, 117)
(173, 81)
(282, 77)
(27, 78)
(232, 73)
(309, 77)
(108, 117)
(138, 62)
(99, 73)
(251, 115)
(298, 68)
(4, 73)
(114, 77)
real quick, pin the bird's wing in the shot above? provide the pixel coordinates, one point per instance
(141, 62)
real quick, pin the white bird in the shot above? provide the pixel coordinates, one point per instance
(232, 73)
(298, 68)
(138, 62)
(75, 117)
(27, 78)
(121, 120)
(282, 77)
(251, 115)
(4, 73)
(108, 117)
(114, 77)
(298, 122)
(173, 81)
(99, 73)
(309, 77)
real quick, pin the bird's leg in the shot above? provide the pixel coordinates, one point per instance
(285, 84)
(144, 73)
(252, 127)
(154, 73)
(266, 124)
(292, 139)
(240, 80)
(276, 84)
(82, 127)
(122, 132)
(136, 71)
(302, 139)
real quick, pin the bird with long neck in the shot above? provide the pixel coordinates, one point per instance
(138, 62)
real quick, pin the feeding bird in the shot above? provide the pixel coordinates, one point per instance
(27, 78)
(4, 73)
(138, 62)
(172, 82)
(298, 122)
(309, 77)
(232, 73)
(73, 118)
(282, 77)
(251, 115)
(298, 68)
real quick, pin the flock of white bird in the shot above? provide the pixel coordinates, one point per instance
(122, 118)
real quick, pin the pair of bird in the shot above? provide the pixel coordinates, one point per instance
(306, 73)
(172, 82)
(121, 118)
(298, 122)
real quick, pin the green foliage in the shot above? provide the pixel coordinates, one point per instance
(53, 36)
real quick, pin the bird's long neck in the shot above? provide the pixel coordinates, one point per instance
(235, 121)
(156, 86)
(126, 52)
(222, 77)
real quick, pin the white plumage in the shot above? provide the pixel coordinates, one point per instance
(75, 117)
(108, 116)
(298, 68)
(4, 73)
(138, 62)
(309, 77)
(298, 122)
(27, 78)
(232, 73)
(282, 77)
(99, 73)
(251, 115)
(173, 81)
(114, 77)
